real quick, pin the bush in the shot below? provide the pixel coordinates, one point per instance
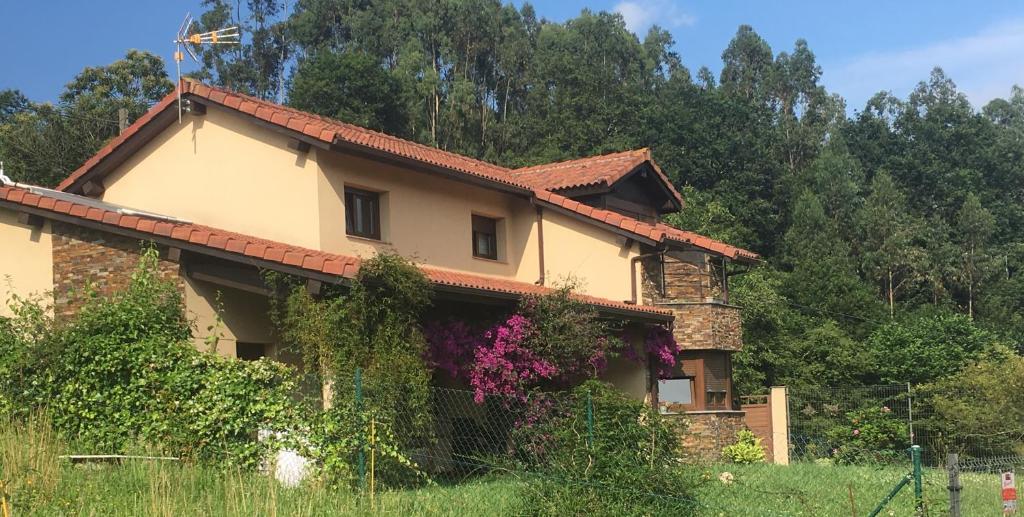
(980, 410)
(630, 466)
(746, 450)
(124, 373)
(868, 434)
(337, 435)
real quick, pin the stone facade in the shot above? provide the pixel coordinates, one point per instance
(690, 286)
(85, 259)
(707, 326)
(707, 432)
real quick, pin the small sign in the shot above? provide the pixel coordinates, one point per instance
(1009, 493)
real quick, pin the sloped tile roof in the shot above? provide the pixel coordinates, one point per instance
(270, 251)
(658, 232)
(600, 168)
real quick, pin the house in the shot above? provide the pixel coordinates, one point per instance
(238, 185)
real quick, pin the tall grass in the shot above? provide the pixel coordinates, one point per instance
(38, 482)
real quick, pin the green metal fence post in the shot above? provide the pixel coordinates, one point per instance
(915, 455)
(359, 414)
(590, 421)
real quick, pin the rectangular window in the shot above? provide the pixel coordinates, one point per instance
(362, 213)
(716, 381)
(675, 393)
(250, 351)
(485, 237)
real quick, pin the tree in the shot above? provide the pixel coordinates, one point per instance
(926, 346)
(351, 87)
(823, 276)
(890, 256)
(12, 102)
(974, 228)
(43, 143)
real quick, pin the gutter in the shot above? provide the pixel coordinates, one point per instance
(632, 273)
(540, 240)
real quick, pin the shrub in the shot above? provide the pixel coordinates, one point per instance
(123, 372)
(746, 450)
(337, 435)
(630, 466)
(868, 434)
(371, 325)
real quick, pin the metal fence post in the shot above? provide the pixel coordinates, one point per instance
(953, 468)
(359, 415)
(915, 454)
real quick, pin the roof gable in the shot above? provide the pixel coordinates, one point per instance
(607, 169)
(596, 171)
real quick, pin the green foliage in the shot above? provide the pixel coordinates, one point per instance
(982, 407)
(927, 346)
(124, 373)
(337, 435)
(40, 143)
(746, 450)
(567, 332)
(630, 467)
(868, 435)
(350, 87)
(371, 325)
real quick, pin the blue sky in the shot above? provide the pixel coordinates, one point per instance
(864, 47)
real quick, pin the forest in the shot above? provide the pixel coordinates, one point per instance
(892, 233)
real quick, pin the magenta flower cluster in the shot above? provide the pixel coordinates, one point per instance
(661, 344)
(496, 362)
(505, 366)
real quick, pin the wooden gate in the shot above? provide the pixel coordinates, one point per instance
(758, 417)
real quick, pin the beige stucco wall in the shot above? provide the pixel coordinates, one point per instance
(628, 375)
(597, 261)
(244, 317)
(26, 260)
(428, 218)
(223, 171)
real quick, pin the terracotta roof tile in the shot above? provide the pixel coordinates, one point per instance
(306, 259)
(590, 171)
(656, 232)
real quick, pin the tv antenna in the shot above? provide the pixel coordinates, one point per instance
(228, 36)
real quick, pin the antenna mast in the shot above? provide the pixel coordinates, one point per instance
(228, 36)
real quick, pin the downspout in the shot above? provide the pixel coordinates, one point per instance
(632, 273)
(540, 242)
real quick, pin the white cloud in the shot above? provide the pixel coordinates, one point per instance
(984, 65)
(641, 14)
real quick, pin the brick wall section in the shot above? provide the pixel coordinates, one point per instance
(707, 433)
(83, 257)
(700, 322)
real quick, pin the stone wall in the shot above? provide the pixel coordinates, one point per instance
(707, 326)
(85, 259)
(691, 289)
(708, 432)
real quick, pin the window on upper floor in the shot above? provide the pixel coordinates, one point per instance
(362, 213)
(485, 237)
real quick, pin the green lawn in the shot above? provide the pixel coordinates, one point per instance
(810, 489)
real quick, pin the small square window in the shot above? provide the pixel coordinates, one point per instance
(485, 237)
(362, 213)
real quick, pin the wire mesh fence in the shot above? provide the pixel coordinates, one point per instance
(852, 425)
